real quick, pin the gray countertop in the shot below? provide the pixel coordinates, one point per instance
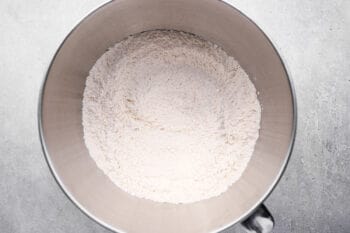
(312, 36)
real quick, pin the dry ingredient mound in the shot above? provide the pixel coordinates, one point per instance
(170, 117)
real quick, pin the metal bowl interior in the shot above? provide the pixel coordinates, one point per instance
(60, 119)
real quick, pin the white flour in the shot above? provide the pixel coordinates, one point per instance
(170, 117)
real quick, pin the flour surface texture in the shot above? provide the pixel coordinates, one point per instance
(170, 117)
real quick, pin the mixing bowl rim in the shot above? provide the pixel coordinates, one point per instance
(101, 222)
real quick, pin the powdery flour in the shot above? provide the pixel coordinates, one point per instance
(170, 117)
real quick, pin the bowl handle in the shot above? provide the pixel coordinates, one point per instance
(261, 221)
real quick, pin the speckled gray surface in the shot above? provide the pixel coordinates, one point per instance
(314, 39)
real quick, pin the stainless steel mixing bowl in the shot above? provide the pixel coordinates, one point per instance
(60, 116)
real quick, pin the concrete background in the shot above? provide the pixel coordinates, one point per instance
(313, 37)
